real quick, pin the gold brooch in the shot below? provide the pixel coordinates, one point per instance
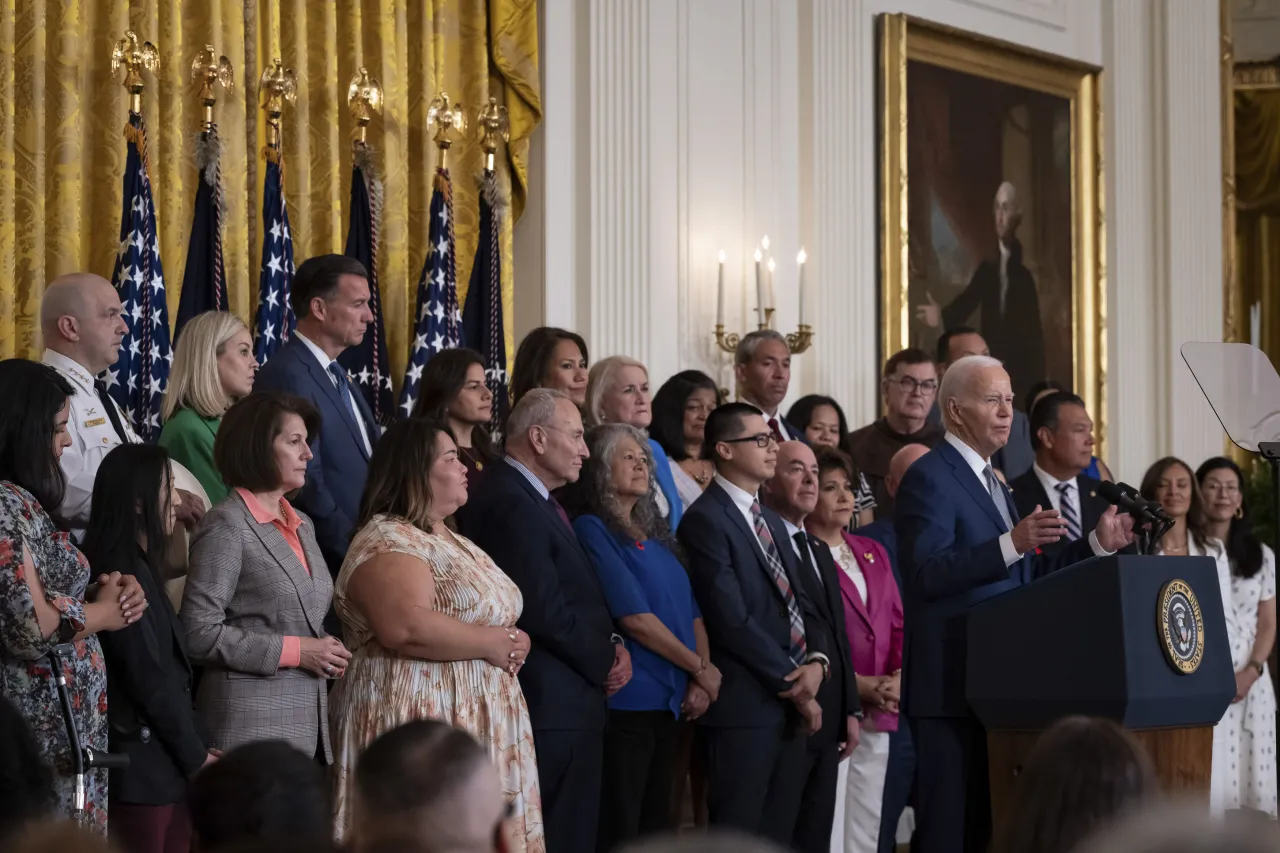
(869, 556)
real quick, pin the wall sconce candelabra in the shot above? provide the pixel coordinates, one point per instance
(799, 340)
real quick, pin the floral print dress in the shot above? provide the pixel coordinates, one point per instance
(29, 538)
(382, 689)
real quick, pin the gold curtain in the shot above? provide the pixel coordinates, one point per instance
(62, 152)
(1257, 152)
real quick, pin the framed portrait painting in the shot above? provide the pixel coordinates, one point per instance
(991, 212)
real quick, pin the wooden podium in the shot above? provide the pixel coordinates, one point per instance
(1138, 640)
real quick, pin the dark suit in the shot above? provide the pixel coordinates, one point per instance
(337, 471)
(948, 529)
(1015, 335)
(568, 622)
(820, 763)
(1028, 493)
(750, 738)
(150, 708)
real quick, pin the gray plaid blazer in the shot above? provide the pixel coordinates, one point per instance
(246, 591)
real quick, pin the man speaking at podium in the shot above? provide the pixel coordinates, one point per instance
(961, 541)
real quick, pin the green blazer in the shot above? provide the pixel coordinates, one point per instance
(189, 439)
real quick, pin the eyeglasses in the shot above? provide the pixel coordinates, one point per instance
(762, 439)
(1226, 489)
(911, 385)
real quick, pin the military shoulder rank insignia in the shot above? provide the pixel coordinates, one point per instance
(1180, 626)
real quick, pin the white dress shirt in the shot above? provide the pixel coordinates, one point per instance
(92, 438)
(323, 357)
(1050, 484)
(741, 499)
(979, 466)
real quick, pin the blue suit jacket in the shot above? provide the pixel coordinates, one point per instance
(337, 471)
(666, 482)
(565, 611)
(948, 531)
(744, 613)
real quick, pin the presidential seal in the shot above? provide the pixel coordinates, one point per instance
(1181, 629)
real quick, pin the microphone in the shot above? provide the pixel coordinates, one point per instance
(1112, 493)
(1154, 508)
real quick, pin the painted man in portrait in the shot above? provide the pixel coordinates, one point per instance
(1004, 293)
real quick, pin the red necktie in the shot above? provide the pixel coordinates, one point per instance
(564, 516)
(775, 429)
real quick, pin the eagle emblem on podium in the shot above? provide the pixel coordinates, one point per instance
(1180, 627)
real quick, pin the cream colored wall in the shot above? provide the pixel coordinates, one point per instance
(674, 128)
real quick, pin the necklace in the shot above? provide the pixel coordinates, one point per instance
(474, 461)
(705, 477)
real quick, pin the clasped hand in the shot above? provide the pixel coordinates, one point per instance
(121, 599)
(805, 681)
(325, 657)
(620, 674)
(509, 649)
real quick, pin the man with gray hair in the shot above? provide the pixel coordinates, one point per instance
(961, 541)
(1003, 289)
(576, 659)
(762, 366)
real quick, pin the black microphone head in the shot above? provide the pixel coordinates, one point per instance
(1112, 492)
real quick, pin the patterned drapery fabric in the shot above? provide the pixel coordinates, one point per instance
(62, 155)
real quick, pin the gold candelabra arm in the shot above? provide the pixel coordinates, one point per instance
(727, 342)
(449, 121)
(132, 57)
(364, 98)
(801, 339)
(494, 125)
(277, 85)
(210, 70)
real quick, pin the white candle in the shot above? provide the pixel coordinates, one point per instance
(800, 259)
(759, 290)
(773, 296)
(720, 292)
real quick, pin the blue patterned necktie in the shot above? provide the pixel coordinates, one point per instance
(344, 388)
(771, 557)
(997, 497)
(1067, 509)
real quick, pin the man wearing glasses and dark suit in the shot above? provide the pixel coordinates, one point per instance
(757, 617)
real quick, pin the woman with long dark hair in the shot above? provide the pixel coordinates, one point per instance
(680, 411)
(44, 580)
(149, 678)
(1170, 483)
(649, 595)
(551, 358)
(822, 422)
(453, 392)
(1244, 740)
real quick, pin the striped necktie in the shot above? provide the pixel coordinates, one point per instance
(774, 562)
(1067, 509)
(996, 489)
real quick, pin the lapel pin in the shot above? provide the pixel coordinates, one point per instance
(869, 556)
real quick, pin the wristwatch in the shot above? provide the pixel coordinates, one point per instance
(1258, 665)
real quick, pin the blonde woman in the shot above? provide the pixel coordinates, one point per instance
(618, 393)
(213, 366)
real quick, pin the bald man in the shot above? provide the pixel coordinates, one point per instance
(431, 787)
(82, 323)
(1003, 290)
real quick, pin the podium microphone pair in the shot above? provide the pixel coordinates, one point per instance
(1145, 513)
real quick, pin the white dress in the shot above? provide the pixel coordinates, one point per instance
(1244, 742)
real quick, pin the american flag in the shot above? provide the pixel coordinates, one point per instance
(204, 279)
(138, 380)
(366, 363)
(275, 320)
(439, 322)
(482, 325)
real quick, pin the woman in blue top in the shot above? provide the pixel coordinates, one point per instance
(618, 393)
(649, 595)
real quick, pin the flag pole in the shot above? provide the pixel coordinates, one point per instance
(276, 86)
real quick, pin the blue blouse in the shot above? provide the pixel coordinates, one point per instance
(666, 482)
(643, 577)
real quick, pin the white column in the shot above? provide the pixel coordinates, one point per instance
(841, 206)
(1133, 159)
(1193, 304)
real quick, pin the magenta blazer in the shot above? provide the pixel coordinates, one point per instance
(874, 628)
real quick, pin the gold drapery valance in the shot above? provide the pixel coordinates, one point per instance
(1258, 150)
(62, 152)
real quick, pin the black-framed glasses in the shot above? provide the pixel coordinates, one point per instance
(911, 385)
(761, 439)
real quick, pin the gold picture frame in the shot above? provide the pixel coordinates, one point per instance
(904, 40)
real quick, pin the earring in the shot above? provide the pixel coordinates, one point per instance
(1240, 512)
